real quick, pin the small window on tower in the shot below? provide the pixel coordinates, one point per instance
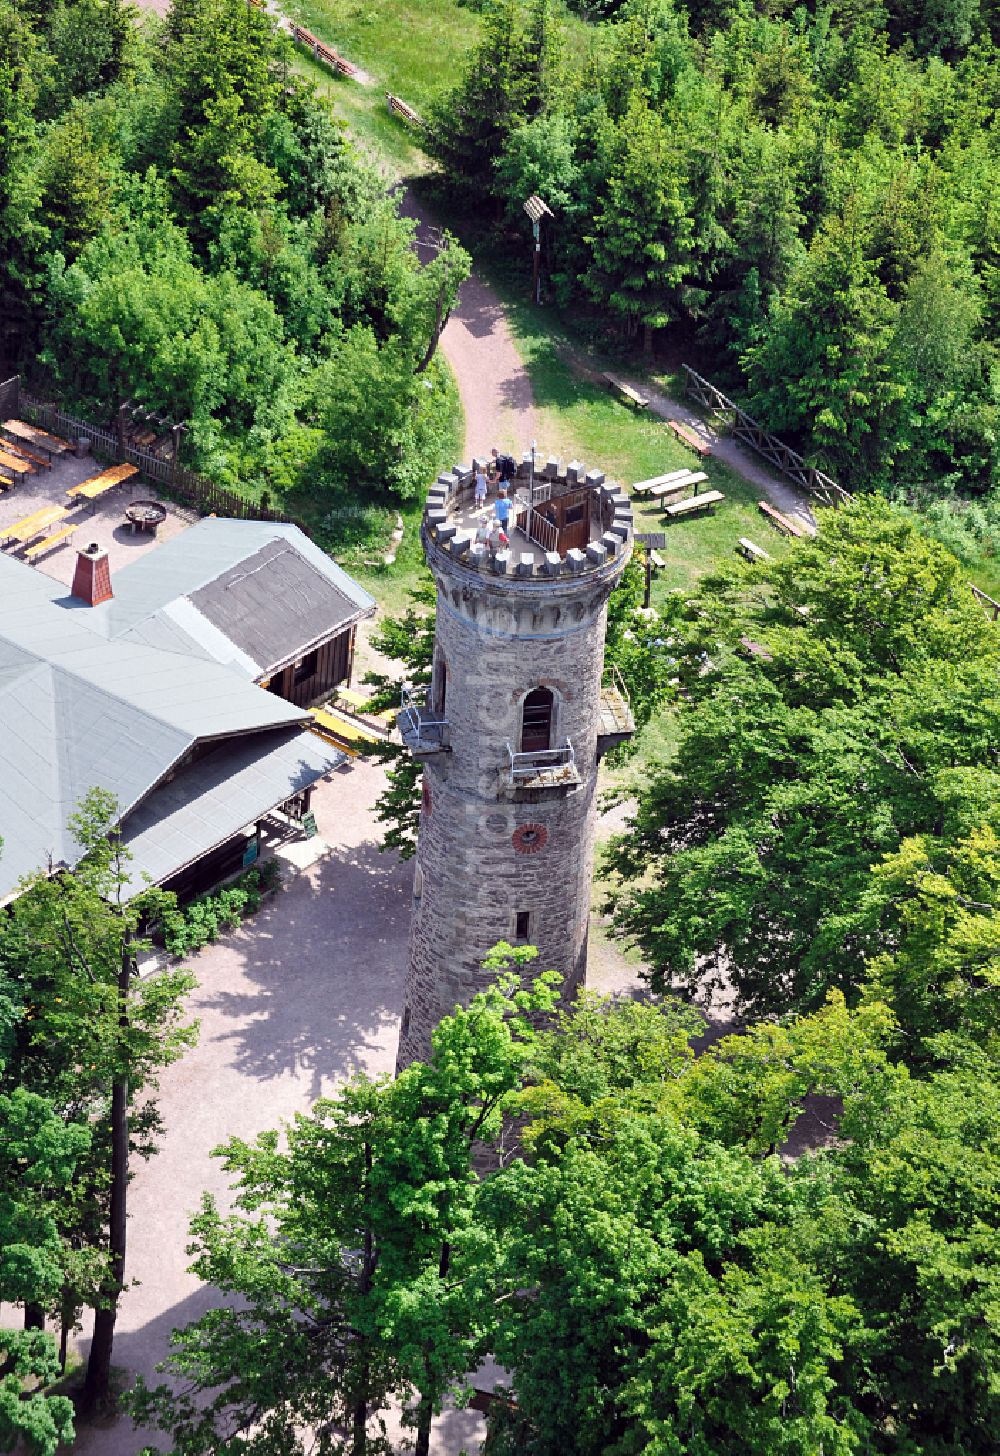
(406, 1019)
(522, 924)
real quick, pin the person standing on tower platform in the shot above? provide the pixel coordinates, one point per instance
(480, 488)
(502, 509)
(506, 466)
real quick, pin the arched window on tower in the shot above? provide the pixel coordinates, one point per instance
(536, 721)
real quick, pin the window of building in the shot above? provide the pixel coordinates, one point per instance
(439, 693)
(573, 516)
(305, 667)
(536, 721)
(406, 1020)
(522, 924)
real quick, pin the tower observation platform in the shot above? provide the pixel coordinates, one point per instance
(511, 730)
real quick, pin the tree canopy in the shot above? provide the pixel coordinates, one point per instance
(868, 714)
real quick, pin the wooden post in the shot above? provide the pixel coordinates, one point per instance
(649, 577)
(176, 433)
(120, 430)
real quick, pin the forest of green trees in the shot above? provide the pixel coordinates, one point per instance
(184, 223)
(807, 192)
(785, 1241)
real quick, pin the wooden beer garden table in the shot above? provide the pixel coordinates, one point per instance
(107, 480)
(35, 524)
(33, 436)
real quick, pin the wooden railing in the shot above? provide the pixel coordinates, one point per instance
(747, 431)
(989, 606)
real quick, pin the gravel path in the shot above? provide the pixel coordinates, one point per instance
(492, 381)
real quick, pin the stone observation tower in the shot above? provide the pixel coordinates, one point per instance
(511, 732)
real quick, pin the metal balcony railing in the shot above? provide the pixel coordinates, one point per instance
(423, 730)
(553, 763)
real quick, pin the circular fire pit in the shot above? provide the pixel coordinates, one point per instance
(145, 515)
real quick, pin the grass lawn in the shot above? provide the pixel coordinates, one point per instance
(382, 137)
(414, 50)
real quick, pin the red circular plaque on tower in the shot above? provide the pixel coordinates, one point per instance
(529, 838)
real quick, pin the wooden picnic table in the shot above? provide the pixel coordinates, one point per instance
(19, 467)
(107, 480)
(35, 524)
(647, 487)
(34, 436)
(671, 487)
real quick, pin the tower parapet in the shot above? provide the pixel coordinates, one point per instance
(511, 731)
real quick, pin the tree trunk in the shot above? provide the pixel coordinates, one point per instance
(359, 1416)
(64, 1328)
(425, 1415)
(647, 340)
(440, 321)
(425, 1410)
(97, 1385)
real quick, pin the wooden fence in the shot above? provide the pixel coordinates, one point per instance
(10, 398)
(194, 489)
(747, 431)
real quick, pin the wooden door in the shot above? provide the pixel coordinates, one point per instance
(536, 721)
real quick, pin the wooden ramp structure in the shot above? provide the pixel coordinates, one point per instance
(747, 431)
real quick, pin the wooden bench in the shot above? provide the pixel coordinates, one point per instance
(786, 524)
(400, 108)
(690, 437)
(353, 699)
(346, 733)
(627, 393)
(694, 505)
(50, 541)
(11, 462)
(6, 481)
(323, 52)
(44, 462)
(751, 550)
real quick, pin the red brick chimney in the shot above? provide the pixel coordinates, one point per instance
(92, 576)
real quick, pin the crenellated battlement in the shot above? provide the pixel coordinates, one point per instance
(543, 501)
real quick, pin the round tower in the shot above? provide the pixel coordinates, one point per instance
(510, 732)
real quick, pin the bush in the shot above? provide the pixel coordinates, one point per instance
(188, 929)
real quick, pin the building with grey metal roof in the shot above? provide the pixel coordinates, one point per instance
(160, 695)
